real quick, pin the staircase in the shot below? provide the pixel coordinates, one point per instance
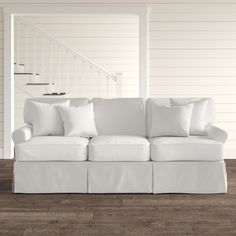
(46, 67)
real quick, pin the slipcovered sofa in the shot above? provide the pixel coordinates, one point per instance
(123, 157)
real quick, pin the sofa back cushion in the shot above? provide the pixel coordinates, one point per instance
(120, 116)
(28, 105)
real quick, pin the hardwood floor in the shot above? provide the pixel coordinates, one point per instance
(116, 214)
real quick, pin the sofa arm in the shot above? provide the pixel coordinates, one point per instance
(216, 133)
(22, 134)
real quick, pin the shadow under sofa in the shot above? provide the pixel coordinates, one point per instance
(127, 162)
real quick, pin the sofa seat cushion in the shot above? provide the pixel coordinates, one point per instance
(53, 148)
(119, 148)
(192, 148)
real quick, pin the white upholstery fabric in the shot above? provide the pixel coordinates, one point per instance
(170, 121)
(22, 134)
(210, 108)
(120, 164)
(189, 177)
(46, 119)
(28, 108)
(120, 116)
(119, 148)
(50, 177)
(52, 148)
(164, 102)
(78, 121)
(216, 133)
(198, 120)
(192, 148)
(120, 177)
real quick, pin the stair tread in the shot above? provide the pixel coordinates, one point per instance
(54, 94)
(20, 64)
(25, 73)
(38, 83)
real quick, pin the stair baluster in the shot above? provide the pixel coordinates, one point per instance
(82, 78)
(18, 38)
(26, 47)
(75, 76)
(59, 69)
(42, 74)
(34, 58)
(99, 83)
(107, 86)
(67, 72)
(50, 66)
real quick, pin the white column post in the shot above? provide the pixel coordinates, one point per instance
(8, 149)
(143, 55)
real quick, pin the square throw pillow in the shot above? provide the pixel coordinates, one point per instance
(45, 118)
(170, 121)
(78, 121)
(197, 124)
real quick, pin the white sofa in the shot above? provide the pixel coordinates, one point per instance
(121, 159)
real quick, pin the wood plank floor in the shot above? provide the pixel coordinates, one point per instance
(116, 214)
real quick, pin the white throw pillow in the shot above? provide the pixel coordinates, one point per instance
(78, 121)
(46, 119)
(170, 121)
(197, 124)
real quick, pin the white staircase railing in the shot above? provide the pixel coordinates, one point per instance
(60, 69)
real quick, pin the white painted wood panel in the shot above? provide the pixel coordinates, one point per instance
(192, 52)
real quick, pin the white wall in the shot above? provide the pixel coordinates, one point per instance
(192, 52)
(1, 82)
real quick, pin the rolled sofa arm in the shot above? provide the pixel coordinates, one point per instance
(216, 133)
(22, 134)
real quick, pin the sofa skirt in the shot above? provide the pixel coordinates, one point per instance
(189, 177)
(120, 177)
(50, 177)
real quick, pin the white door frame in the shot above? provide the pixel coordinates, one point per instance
(12, 10)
